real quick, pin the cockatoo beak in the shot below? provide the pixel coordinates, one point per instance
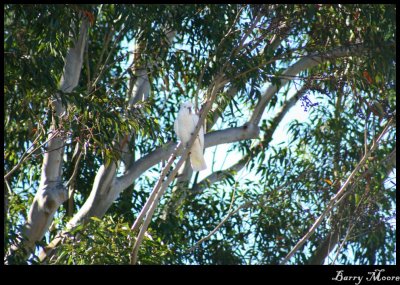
(190, 110)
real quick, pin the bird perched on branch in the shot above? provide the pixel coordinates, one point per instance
(184, 126)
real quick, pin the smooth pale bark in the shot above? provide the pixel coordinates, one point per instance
(100, 200)
(104, 192)
(305, 63)
(222, 174)
(148, 210)
(178, 192)
(51, 193)
(186, 172)
(211, 139)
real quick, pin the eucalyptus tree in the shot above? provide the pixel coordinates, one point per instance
(91, 94)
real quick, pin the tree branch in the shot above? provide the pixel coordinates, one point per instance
(251, 203)
(76, 158)
(303, 64)
(222, 174)
(160, 188)
(27, 155)
(216, 113)
(162, 153)
(51, 193)
(219, 175)
(103, 193)
(328, 244)
(338, 195)
(230, 214)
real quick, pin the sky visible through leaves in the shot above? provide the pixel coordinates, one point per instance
(223, 156)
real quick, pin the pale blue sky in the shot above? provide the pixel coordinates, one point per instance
(223, 159)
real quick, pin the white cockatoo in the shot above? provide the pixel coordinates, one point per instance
(184, 126)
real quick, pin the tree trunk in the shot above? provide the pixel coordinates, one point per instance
(51, 193)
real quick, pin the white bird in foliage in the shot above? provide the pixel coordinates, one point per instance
(184, 126)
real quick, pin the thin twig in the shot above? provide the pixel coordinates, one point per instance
(104, 67)
(230, 31)
(25, 156)
(216, 176)
(72, 181)
(255, 202)
(353, 223)
(333, 201)
(106, 42)
(8, 187)
(230, 214)
(153, 194)
(73, 176)
(160, 187)
(150, 212)
(350, 228)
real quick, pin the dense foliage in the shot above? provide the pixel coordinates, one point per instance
(280, 189)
